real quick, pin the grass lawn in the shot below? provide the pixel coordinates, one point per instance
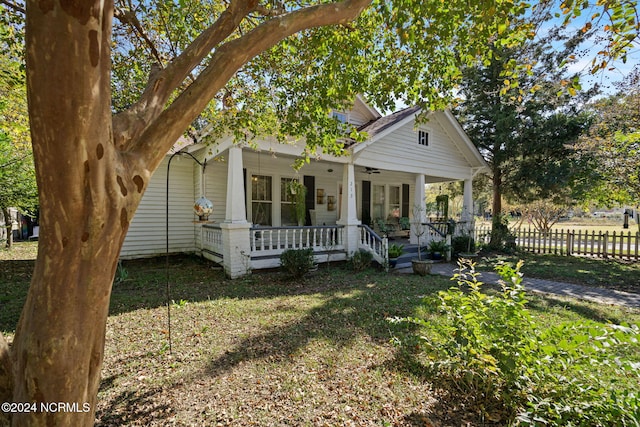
(264, 350)
(612, 274)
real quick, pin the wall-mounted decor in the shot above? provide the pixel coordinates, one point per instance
(320, 196)
(331, 203)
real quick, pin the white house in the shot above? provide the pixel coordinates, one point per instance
(379, 181)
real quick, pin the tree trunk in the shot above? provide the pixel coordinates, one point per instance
(88, 194)
(496, 219)
(8, 224)
(90, 182)
(6, 379)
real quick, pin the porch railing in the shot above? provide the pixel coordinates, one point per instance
(378, 246)
(211, 242)
(270, 241)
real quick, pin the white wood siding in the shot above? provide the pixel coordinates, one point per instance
(400, 150)
(358, 118)
(146, 236)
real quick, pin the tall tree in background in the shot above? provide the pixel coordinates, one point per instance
(17, 175)
(526, 131)
(612, 145)
(186, 58)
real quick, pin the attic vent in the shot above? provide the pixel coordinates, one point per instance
(423, 138)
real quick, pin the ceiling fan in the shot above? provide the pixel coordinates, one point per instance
(371, 170)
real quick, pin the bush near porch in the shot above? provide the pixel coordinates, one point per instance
(267, 351)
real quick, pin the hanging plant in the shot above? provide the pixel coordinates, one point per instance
(298, 193)
(442, 202)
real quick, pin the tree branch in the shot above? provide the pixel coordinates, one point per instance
(129, 17)
(226, 61)
(130, 124)
(14, 6)
(276, 10)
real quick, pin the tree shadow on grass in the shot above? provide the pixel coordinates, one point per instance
(195, 279)
(344, 317)
(544, 303)
(15, 277)
(142, 284)
(132, 407)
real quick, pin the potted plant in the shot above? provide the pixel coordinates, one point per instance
(405, 225)
(404, 222)
(381, 225)
(420, 266)
(437, 248)
(394, 252)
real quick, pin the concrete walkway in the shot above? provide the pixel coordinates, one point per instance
(588, 293)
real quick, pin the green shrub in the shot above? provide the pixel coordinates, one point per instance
(491, 354)
(122, 274)
(439, 246)
(463, 244)
(581, 379)
(297, 262)
(361, 260)
(502, 239)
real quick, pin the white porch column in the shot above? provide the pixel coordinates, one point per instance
(236, 210)
(467, 204)
(349, 214)
(418, 209)
(235, 228)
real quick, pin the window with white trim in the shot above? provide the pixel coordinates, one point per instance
(423, 137)
(287, 215)
(341, 117)
(394, 201)
(261, 199)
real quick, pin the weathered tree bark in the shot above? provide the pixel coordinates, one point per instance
(92, 170)
(88, 194)
(496, 207)
(8, 227)
(6, 378)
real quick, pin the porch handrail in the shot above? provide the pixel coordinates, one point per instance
(292, 227)
(372, 242)
(275, 240)
(213, 226)
(211, 242)
(440, 228)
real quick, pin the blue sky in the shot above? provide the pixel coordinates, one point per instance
(616, 70)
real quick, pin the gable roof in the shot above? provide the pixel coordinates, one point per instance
(379, 125)
(376, 129)
(375, 114)
(379, 128)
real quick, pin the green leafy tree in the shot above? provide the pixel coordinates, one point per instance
(17, 182)
(525, 131)
(109, 98)
(17, 175)
(612, 146)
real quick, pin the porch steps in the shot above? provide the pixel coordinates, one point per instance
(410, 252)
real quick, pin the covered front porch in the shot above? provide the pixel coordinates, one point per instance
(345, 203)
